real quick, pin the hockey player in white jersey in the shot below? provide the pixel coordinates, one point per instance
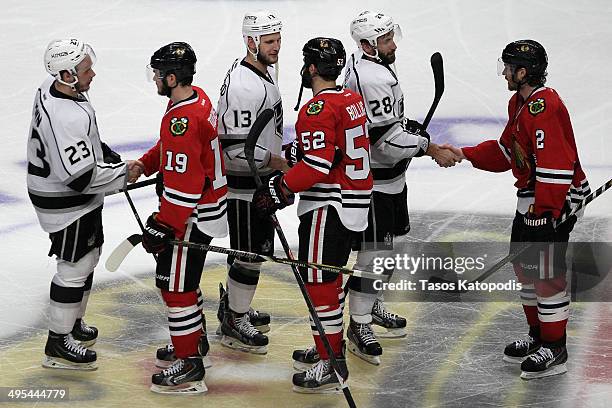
(67, 177)
(249, 88)
(395, 140)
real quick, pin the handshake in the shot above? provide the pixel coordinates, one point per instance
(446, 155)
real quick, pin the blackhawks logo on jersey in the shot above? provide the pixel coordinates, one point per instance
(315, 108)
(519, 156)
(178, 126)
(536, 106)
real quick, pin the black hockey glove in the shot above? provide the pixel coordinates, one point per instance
(538, 233)
(271, 197)
(415, 128)
(109, 156)
(156, 237)
(293, 153)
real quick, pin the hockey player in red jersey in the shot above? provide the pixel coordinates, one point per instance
(335, 184)
(192, 208)
(538, 145)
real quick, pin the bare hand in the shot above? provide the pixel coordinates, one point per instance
(443, 157)
(456, 150)
(135, 170)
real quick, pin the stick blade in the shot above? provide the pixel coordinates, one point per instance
(437, 66)
(116, 257)
(258, 126)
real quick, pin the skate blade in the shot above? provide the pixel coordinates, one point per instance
(385, 333)
(301, 367)
(165, 364)
(514, 360)
(374, 360)
(555, 370)
(327, 389)
(236, 345)
(263, 328)
(194, 387)
(59, 363)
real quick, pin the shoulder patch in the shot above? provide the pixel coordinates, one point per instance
(178, 126)
(315, 108)
(537, 106)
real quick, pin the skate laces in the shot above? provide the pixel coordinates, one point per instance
(73, 345)
(311, 351)
(541, 355)
(243, 324)
(379, 308)
(85, 327)
(317, 371)
(365, 333)
(524, 343)
(169, 348)
(174, 368)
(253, 313)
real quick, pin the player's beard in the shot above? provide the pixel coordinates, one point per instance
(388, 58)
(512, 86)
(80, 88)
(266, 60)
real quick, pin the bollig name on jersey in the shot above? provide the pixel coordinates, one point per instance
(356, 110)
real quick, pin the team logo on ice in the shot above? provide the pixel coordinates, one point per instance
(315, 108)
(536, 106)
(178, 126)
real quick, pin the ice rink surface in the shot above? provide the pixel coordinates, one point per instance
(452, 354)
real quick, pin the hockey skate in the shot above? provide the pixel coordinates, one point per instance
(549, 360)
(305, 359)
(240, 334)
(184, 376)
(321, 377)
(261, 320)
(62, 351)
(394, 325)
(165, 356)
(86, 335)
(519, 350)
(362, 342)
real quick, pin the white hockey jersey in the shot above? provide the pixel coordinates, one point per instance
(245, 93)
(392, 147)
(67, 177)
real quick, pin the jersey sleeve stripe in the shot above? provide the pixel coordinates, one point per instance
(505, 151)
(186, 196)
(555, 172)
(318, 163)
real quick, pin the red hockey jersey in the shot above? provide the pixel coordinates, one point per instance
(189, 155)
(538, 145)
(333, 120)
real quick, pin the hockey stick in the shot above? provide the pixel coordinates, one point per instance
(116, 257)
(254, 257)
(437, 67)
(133, 186)
(511, 257)
(249, 152)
